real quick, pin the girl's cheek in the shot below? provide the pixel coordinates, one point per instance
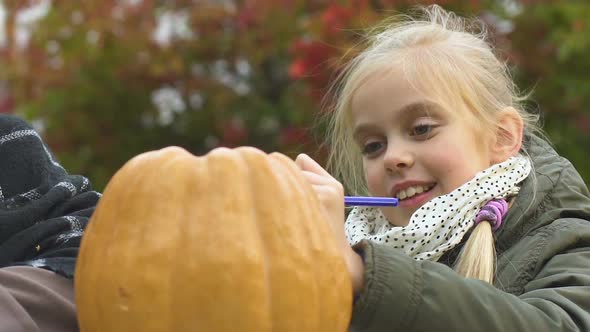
(374, 182)
(369, 179)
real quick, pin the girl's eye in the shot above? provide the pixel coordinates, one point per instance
(422, 130)
(371, 148)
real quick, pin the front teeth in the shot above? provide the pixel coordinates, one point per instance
(411, 191)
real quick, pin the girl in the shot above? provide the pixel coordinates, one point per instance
(492, 232)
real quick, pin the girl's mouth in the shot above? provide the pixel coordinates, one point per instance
(415, 196)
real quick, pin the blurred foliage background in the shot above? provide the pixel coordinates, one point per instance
(104, 80)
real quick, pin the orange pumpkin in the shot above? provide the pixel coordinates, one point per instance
(231, 241)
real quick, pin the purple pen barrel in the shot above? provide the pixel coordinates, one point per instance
(370, 201)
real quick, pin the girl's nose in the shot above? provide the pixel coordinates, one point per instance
(397, 158)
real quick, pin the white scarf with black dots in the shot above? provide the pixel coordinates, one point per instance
(439, 225)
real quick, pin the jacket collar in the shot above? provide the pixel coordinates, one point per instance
(553, 190)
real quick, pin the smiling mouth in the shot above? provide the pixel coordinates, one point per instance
(414, 191)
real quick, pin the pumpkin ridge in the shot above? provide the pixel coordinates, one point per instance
(193, 188)
(252, 157)
(267, 193)
(252, 309)
(338, 293)
(156, 281)
(113, 205)
(294, 182)
(181, 165)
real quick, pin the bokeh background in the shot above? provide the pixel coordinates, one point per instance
(104, 80)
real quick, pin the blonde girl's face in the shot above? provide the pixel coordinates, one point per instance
(412, 147)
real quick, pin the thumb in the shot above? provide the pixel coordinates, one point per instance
(306, 163)
(302, 160)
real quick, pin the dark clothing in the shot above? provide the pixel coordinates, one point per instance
(43, 213)
(43, 210)
(543, 269)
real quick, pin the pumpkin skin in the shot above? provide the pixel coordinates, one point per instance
(230, 241)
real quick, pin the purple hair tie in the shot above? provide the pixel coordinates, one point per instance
(493, 212)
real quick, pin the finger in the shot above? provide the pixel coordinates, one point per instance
(314, 178)
(329, 197)
(306, 163)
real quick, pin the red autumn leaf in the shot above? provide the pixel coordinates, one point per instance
(578, 25)
(297, 69)
(233, 133)
(7, 105)
(583, 123)
(293, 136)
(310, 61)
(298, 46)
(335, 18)
(246, 18)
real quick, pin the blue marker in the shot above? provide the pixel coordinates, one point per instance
(370, 201)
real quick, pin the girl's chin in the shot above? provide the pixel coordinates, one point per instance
(394, 218)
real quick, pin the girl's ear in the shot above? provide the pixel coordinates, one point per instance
(508, 136)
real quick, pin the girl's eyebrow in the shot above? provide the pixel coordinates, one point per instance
(422, 107)
(363, 128)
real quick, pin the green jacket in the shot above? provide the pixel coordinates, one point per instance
(543, 269)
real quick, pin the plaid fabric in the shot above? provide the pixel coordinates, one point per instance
(43, 209)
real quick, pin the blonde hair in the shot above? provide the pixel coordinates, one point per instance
(448, 58)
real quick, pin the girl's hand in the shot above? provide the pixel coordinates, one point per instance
(330, 192)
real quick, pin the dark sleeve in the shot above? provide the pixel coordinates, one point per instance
(402, 294)
(43, 209)
(36, 300)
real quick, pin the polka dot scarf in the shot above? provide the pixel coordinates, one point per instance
(440, 224)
